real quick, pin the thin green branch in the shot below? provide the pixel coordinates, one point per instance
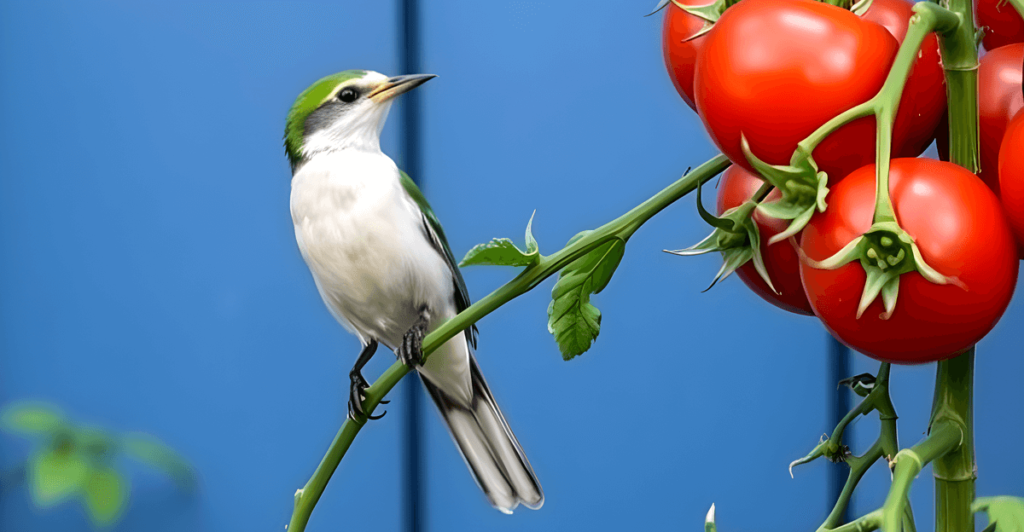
(622, 227)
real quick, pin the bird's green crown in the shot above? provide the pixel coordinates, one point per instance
(307, 102)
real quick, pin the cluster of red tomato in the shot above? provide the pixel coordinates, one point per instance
(774, 71)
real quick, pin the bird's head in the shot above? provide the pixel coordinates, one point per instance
(343, 110)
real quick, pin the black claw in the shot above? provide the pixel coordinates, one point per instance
(373, 417)
(411, 350)
(385, 401)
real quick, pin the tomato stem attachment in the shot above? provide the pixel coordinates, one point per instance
(735, 236)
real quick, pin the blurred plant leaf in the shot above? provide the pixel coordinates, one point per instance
(573, 321)
(55, 474)
(105, 492)
(153, 452)
(31, 418)
(1005, 514)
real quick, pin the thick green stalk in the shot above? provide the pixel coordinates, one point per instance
(622, 227)
(955, 472)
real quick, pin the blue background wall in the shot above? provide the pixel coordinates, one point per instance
(149, 279)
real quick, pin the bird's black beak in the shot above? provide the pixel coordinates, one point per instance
(398, 85)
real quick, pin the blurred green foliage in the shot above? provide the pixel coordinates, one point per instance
(80, 462)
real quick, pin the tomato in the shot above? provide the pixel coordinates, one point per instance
(961, 231)
(1001, 22)
(776, 70)
(680, 53)
(999, 98)
(924, 95)
(780, 260)
(1011, 177)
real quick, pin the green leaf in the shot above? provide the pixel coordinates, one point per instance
(55, 474)
(105, 493)
(30, 418)
(1005, 514)
(154, 453)
(502, 252)
(572, 319)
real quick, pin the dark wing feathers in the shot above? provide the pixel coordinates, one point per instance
(433, 230)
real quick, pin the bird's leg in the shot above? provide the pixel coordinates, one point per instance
(411, 350)
(355, 399)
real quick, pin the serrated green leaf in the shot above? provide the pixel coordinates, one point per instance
(1005, 514)
(156, 454)
(572, 319)
(104, 493)
(55, 474)
(30, 418)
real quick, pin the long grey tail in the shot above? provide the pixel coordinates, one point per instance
(487, 444)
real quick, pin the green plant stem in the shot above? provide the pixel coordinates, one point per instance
(884, 105)
(622, 227)
(956, 472)
(885, 445)
(1018, 5)
(944, 437)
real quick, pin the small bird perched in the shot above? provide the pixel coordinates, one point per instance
(383, 266)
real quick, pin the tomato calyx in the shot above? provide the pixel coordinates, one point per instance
(735, 236)
(802, 186)
(885, 252)
(709, 13)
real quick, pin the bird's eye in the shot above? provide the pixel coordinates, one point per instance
(348, 95)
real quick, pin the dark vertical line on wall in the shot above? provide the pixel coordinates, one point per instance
(839, 401)
(409, 60)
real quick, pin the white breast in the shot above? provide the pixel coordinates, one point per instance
(363, 239)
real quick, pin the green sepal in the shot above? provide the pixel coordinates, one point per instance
(885, 253)
(802, 186)
(860, 7)
(502, 252)
(572, 319)
(151, 451)
(104, 494)
(31, 418)
(1005, 514)
(55, 474)
(735, 236)
(817, 452)
(861, 384)
(661, 5)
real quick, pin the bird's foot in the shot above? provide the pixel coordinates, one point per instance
(356, 398)
(411, 350)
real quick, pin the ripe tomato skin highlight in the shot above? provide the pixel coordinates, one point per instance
(681, 54)
(1003, 25)
(999, 99)
(776, 70)
(1011, 177)
(923, 104)
(961, 231)
(780, 260)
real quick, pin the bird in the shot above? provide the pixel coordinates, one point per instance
(382, 264)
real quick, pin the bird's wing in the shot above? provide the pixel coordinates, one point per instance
(434, 231)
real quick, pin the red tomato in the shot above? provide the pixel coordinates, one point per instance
(1011, 177)
(961, 231)
(999, 98)
(1001, 22)
(680, 53)
(780, 260)
(924, 95)
(776, 70)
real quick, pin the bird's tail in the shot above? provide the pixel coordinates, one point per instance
(488, 445)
